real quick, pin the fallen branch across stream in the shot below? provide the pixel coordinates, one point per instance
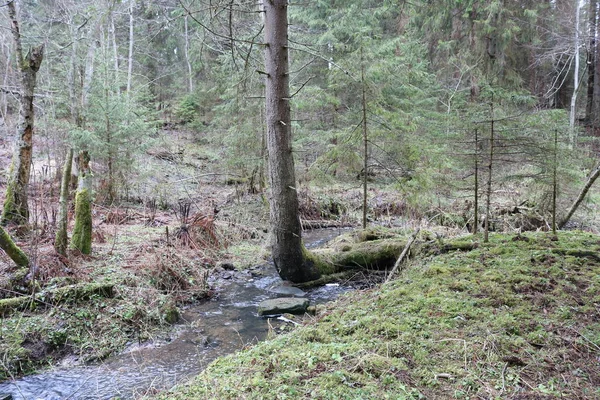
(403, 254)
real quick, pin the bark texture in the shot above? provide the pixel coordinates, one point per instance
(61, 239)
(82, 232)
(287, 249)
(15, 208)
(12, 250)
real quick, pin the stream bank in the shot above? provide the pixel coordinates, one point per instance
(226, 323)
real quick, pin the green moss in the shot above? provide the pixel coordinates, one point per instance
(319, 262)
(82, 232)
(7, 306)
(455, 325)
(12, 250)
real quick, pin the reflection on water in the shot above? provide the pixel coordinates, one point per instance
(218, 327)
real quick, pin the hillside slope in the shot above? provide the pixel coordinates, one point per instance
(518, 318)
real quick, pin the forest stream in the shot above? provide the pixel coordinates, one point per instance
(225, 324)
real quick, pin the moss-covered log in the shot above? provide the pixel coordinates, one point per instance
(376, 254)
(12, 250)
(66, 294)
(379, 254)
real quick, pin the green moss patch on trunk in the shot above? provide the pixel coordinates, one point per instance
(12, 250)
(82, 232)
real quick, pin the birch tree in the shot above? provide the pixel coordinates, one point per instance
(16, 209)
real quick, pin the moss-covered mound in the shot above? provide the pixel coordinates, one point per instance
(518, 318)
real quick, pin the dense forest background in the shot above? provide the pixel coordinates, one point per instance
(438, 77)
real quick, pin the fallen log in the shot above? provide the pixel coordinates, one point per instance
(65, 294)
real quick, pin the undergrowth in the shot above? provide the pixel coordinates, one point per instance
(517, 318)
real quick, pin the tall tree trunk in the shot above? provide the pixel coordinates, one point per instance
(4, 103)
(591, 179)
(288, 252)
(130, 55)
(115, 47)
(592, 59)
(488, 194)
(365, 140)
(476, 191)
(61, 238)
(593, 89)
(82, 232)
(15, 209)
(554, 182)
(73, 100)
(573, 110)
(187, 55)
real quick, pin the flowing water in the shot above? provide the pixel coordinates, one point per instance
(223, 325)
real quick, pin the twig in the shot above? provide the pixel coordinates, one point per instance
(503, 380)
(586, 339)
(403, 254)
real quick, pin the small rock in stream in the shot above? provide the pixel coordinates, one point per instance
(226, 275)
(287, 290)
(292, 305)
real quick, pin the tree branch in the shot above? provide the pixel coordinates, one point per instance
(232, 39)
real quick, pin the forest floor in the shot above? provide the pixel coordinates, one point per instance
(185, 216)
(517, 318)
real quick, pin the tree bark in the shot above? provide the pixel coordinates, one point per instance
(592, 59)
(16, 210)
(130, 55)
(82, 232)
(12, 250)
(288, 251)
(187, 55)
(488, 194)
(365, 140)
(592, 178)
(591, 62)
(61, 239)
(573, 109)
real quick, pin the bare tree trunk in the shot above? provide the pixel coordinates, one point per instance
(115, 50)
(592, 178)
(73, 100)
(488, 194)
(288, 251)
(573, 109)
(365, 140)
(61, 239)
(16, 209)
(476, 194)
(554, 182)
(187, 55)
(130, 55)
(82, 232)
(592, 59)
(4, 105)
